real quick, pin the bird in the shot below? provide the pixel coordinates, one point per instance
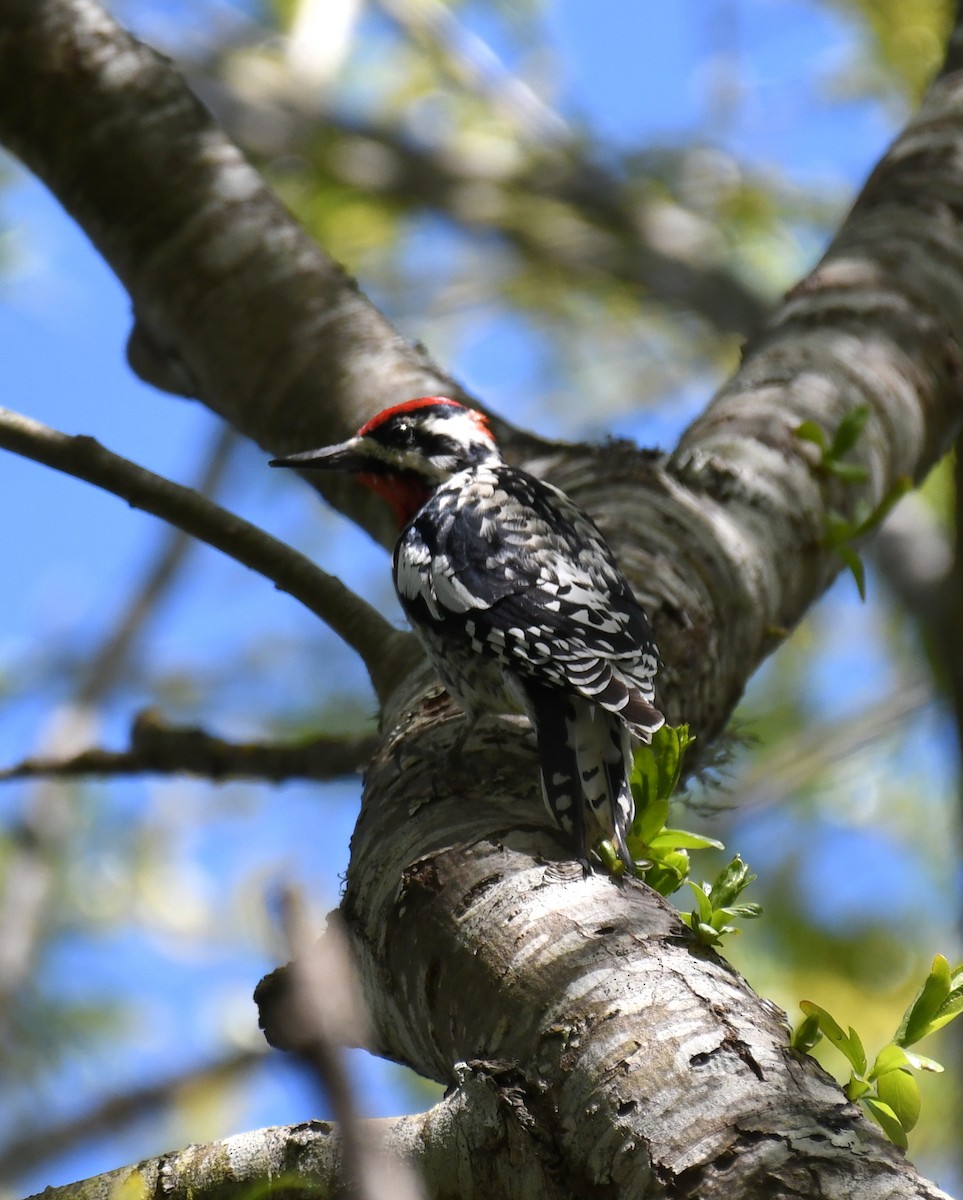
(518, 603)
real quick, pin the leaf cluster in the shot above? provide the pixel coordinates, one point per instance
(888, 1090)
(661, 855)
(716, 905)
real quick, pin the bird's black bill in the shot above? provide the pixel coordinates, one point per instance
(343, 457)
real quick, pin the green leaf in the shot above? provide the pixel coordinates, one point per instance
(890, 1058)
(644, 779)
(885, 1117)
(663, 881)
(669, 873)
(806, 1034)
(703, 904)
(671, 743)
(668, 756)
(650, 821)
(681, 839)
(882, 510)
(856, 1089)
(809, 431)
(848, 433)
(675, 860)
(856, 1054)
(610, 858)
(847, 472)
(848, 1044)
(855, 564)
(950, 1009)
(656, 770)
(918, 1018)
(746, 911)
(730, 881)
(839, 530)
(901, 1093)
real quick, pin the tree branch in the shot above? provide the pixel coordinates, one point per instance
(108, 662)
(471, 61)
(24, 1154)
(474, 942)
(877, 325)
(384, 650)
(160, 749)
(478, 937)
(38, 840)
(240, 306)
(620, 241)
(325, 1012)
(475, 1144)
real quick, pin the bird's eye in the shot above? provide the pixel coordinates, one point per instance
(405, 433)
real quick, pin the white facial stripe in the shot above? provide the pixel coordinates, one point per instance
(371, 448)
(460, 428)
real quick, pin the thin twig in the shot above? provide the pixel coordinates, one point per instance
(475, 65)
(158, 748)
(770, 781)
(324, 1011)
(107, 664)
(384, 650)
(40, 835)
(113, 1114)
(624, 246)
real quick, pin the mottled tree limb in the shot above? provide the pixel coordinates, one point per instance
(235, 304)
(105, 1119)
(740, 489)
(159, 748)
(620, 240)
(383, 650)
(649, 1062)
(475, 1144)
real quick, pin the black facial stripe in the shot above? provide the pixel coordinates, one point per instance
(402, 435)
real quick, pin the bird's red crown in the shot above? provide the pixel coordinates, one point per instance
(421, 402)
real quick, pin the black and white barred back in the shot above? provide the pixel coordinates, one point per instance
(520, 606)
(518, 602)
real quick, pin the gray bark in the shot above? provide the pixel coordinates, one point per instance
(593, 1048)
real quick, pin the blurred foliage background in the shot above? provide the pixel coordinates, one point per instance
(582, 210)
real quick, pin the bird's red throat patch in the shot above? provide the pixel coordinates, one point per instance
(405, 493)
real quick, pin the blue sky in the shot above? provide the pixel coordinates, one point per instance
(633, 73)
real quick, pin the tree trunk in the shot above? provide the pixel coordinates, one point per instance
(593, 1047)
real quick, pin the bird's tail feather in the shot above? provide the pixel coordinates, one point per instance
(585, 757)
